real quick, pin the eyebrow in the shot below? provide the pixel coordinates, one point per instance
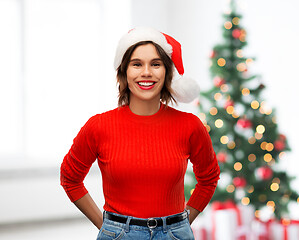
(138, 59)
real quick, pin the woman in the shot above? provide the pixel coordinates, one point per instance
(143, 146)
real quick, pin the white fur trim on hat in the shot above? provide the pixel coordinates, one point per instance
(136, 35)
(185, 89)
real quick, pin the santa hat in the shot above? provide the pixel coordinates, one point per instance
(185, 89)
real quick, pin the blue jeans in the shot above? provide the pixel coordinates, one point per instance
(115, 230)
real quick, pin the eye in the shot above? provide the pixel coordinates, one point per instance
(136, 64)
(156, 64)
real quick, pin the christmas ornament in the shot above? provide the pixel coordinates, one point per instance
(264, 173)
(279, 145)
(236, 33)
(229, 103)
(222, 157)
(244, 123)
(239, 182)
(218, 81)
(213, 54)
(282, 137)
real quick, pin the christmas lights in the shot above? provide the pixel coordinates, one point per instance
(217, 96)
(258, 135)
(263, 145)
(281, 155)
(250, 189)
(245, 201)
(239, 53)
(230, 109)
(228, 25)
(271, 204)
(267, 157)
(236, 20)
(274, 187)
(202, 116)
(255, 104)
(224, 88)
(269, 147)
(251, 157)
(252, 140)
(231, 145)
(241, 67)
(213, 111)
(245, 91)
(224, 139)
(276, 180)
(230, 188)
(219, 123)
(260, 129)
(221, 62)
(208, 127)
(235, 115)
(238, 166)
(249, 61)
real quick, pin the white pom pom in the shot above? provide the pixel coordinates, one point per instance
(185, 89)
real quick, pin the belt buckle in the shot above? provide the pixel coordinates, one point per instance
(151, 220)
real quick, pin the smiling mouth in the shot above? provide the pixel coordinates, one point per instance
(146, 84)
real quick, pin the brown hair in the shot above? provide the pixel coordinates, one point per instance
(124, 92)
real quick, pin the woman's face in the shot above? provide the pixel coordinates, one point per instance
(145, 74)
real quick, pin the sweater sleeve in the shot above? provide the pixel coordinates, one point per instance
(78, 160)
(205, 166)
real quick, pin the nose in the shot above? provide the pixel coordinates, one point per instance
(146, 72)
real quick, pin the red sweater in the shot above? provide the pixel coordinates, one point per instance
(143, 160)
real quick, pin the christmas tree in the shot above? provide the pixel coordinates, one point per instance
(243, 128)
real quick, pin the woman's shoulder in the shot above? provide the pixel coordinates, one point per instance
(106, 115)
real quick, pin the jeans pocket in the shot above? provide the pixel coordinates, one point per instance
(110, 232)
(181, 232)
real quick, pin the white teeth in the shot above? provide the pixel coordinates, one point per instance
(146, 84)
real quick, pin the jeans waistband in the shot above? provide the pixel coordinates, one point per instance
(150, 222)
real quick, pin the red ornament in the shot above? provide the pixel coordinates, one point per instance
(239, 182)
(279, 145)
(236, 33)
(218, 81)
(213, 54)
(264, 173)
(282, 137)
(222, 157)
(244, 123)
(229, 103)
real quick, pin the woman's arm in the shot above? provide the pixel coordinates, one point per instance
(89, 208)
(193, 213)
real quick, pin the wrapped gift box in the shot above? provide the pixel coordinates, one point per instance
(275, 230)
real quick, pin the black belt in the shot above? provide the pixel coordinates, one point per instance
(150, 222)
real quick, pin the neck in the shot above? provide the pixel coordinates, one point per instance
(144, 108)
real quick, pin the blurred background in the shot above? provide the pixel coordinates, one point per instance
(56, 71)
